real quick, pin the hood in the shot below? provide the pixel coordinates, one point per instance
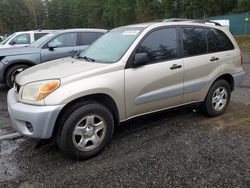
(58, 69)
(18, 51)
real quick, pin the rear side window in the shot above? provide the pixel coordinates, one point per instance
(87, 38)
(194, 41)
(218, 41)
(160, 45)
(39, 35)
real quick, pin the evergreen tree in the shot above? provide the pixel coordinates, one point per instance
(17, 15)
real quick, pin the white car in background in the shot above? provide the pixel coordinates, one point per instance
(24, 38)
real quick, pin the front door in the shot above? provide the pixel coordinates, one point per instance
(158, 84)
(65, 47)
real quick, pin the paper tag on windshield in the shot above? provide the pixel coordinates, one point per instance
(131, 32)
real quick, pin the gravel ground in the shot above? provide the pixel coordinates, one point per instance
(242, 93)
(246, 55)
(178, 148)
(4, 115)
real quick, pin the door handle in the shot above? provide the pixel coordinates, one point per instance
(214, 59)
(175, 66)
(72, 51)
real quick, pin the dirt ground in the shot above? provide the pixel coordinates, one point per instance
(244, 43)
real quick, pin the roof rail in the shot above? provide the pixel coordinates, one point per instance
(190, 20)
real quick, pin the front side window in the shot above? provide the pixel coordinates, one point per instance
(160, 45)
(194, 41)
(113, 45)
(218, 41)
(21, 39)
(42, 40)
(65, 40)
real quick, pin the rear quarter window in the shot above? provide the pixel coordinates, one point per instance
(218, 41)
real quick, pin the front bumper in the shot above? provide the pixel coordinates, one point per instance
(30, 120)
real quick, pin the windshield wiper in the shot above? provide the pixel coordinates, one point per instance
(88, 59)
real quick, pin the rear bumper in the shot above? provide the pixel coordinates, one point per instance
(238, 78)
(41, 118)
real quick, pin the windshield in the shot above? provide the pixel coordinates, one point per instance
(7, 39)
(42, 40)
(112, 46)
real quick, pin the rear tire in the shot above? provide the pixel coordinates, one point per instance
(13, 72)
(85, 132)
(217, 99)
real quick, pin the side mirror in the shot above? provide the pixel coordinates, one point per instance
(12, 42)
(52, 45)
(141, 59)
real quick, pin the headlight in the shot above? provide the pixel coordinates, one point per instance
(37, 91)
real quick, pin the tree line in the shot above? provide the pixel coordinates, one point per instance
(17, 15)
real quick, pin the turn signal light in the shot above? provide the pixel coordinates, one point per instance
(46, 89)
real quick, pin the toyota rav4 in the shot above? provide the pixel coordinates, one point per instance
(130, 71)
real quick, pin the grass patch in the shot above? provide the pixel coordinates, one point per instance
(243, 41)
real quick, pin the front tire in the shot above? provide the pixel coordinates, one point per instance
(13, 72)
(86, 131)
(217, 99)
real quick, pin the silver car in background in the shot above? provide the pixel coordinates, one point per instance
(53, 46)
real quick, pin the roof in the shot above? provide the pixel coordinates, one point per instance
(176, 21)
(66, 30)
(40, 30)
(84, 30)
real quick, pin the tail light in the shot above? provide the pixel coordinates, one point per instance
(241, 58)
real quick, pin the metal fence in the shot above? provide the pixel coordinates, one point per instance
(239, 23)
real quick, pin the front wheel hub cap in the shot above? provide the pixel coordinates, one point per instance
(89, 132)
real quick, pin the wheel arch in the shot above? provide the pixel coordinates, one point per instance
(101, 98)
(227, 77)
(12, 64)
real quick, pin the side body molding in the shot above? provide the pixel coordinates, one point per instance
(169, 92)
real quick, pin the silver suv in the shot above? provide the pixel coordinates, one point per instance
(56, 45)
(130, 71)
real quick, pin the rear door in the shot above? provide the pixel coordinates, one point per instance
(203, 58)
(159, 84)
(66, 47)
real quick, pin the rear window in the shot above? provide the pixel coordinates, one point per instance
(87, 38)
(39, 35)
(218, 41)
(194, 41)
